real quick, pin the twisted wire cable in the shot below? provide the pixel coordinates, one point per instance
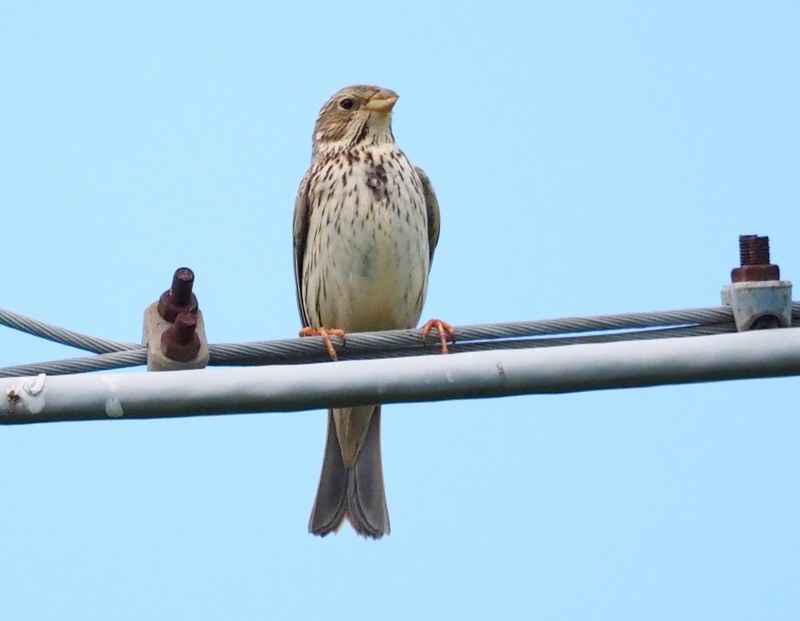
(61, 335)
(394, 343)
(86, 364)
(264, 353)
(294, 352)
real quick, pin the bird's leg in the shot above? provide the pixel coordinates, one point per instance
(444, 329)
(326, 334)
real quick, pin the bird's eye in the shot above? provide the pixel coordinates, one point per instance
(346, 104)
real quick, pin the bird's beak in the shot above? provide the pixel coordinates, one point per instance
(383, 101)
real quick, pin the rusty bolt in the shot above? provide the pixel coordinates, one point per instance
(754, 261)
(180, 341)
(179, 298)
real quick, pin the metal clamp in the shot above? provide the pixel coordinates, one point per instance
(757, 296)
(174, 332)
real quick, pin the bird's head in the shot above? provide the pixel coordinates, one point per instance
(353, 116)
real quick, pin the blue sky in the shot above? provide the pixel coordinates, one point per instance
(588, 158)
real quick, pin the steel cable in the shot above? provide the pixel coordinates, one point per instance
(393, 343)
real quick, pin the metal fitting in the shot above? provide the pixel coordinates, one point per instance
(173, 331)
(180, 341)
(758, 298)
(179, 297)
(754, 261)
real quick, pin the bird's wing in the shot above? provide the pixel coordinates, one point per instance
(432, 207)
(302, 210)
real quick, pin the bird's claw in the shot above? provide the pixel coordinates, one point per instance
(326, 334)
(445, 330)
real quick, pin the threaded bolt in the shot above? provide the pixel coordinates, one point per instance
(182, 283)
(753, 250)
(184, 328)
(179, 298)
(180, 341)
(754, 261)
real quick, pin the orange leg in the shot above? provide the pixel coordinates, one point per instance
(444, 329)
(326, 334)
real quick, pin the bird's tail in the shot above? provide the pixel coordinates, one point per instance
(355, 492)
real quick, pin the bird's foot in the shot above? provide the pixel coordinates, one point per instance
(326, 334)
(445, 330)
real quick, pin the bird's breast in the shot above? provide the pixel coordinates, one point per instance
(367, 258)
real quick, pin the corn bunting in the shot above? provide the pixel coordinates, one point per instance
(366, 223)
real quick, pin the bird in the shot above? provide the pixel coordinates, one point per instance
(366, 225)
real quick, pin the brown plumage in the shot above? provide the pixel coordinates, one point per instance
(366, 224)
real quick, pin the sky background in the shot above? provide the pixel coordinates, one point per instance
(588, 157)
